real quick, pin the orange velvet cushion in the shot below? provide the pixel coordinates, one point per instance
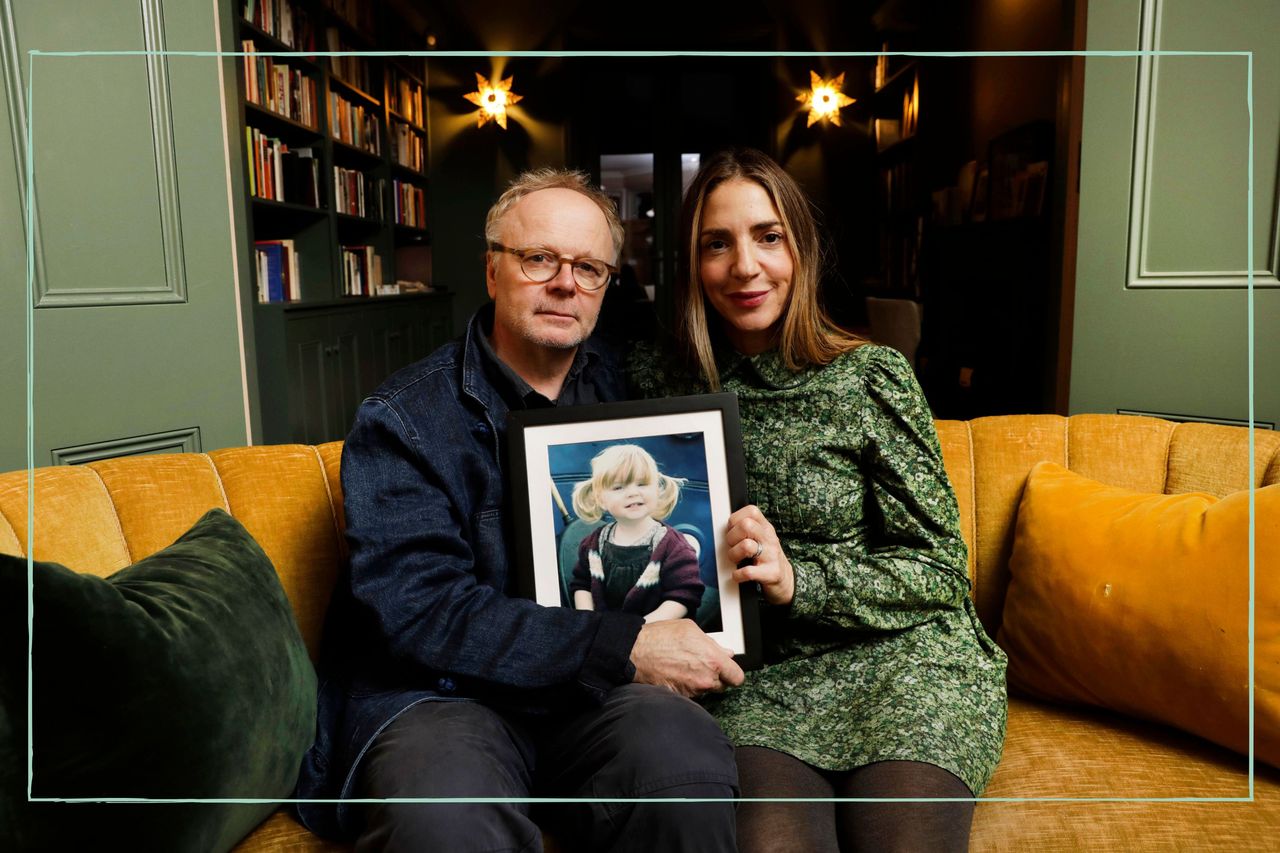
(1139, 603)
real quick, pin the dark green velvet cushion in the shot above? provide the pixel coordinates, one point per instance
(182, 676)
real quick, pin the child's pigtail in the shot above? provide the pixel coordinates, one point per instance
(585, 503)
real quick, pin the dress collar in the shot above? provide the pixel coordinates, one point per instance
(766, 368)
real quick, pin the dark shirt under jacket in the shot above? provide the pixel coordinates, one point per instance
(421, 613)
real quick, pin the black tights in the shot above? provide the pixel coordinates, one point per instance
(819, 827)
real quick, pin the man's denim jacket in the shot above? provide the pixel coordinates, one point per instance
(421, 613)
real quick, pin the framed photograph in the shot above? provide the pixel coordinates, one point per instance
(624, 506)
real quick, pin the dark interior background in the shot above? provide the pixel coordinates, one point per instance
(991, 291)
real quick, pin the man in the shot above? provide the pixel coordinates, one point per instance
(558, 702)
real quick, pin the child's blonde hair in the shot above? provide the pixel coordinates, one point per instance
(624, 463)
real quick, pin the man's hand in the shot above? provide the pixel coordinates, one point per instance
(678, 655)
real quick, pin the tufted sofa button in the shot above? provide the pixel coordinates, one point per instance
(446, 685)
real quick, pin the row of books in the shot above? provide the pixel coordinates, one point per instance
(406, 146)
(277, 268)
(405, 95)
(358, 194)
(899, 189)
(279, 173)
(358, 13)
(354, 124)
(900, 256)
(278, 87)
(352, 70)
(410, 204)
(284, 19)
(361, 271)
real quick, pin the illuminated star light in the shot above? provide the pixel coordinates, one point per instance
(825, 99)
(493, 100)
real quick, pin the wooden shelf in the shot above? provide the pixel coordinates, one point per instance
(895, 79)
(369, 156)
(352, 89)
(899, 147)
(271, 115)
(290, 206)
(417, 234)
(275, 45)
(406, 120)
(408, 171)
(354, 219)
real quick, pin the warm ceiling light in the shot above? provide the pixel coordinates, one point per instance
(493, 100)
(824, 98)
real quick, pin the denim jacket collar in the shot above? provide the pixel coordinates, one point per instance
(477, 385)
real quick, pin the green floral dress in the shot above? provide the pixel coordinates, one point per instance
(880, 656)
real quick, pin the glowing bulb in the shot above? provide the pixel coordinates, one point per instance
(493, 100)
(824, 98)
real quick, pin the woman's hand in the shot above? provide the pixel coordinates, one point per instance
(751, 537)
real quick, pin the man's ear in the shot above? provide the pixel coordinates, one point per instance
(491, 273)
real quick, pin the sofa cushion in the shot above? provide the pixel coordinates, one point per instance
(182, 676)
(1139, 603)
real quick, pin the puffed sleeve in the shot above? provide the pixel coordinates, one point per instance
(680, 579)
(905, 559)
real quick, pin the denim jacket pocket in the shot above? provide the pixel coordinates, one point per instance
(489, 546)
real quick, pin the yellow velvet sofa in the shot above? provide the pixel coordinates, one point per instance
(1087, 770)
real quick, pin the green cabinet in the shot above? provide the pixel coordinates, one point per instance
(330, 357)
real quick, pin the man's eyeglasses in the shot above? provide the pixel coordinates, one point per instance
(542, 265)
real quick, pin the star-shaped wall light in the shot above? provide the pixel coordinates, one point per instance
(824, 98)
(492, 99)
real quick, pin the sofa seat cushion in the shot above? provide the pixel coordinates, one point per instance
(1139, 603)
(182, 676)
(281, 833)
(1057, 752)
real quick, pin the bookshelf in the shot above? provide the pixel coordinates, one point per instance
(895, 116)
(334, 157)
(965, 151)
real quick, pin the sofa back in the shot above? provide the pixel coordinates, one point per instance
(988, 460)
(102, 516)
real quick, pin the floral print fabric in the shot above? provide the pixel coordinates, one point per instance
(880, 656)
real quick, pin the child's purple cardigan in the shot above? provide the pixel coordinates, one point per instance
(672, 574)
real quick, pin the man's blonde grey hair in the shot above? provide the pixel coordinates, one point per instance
(548, 178)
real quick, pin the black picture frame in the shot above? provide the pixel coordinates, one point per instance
(695, 438)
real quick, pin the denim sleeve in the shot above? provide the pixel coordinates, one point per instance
(416, 553)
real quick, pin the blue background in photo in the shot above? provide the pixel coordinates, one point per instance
(677, 455)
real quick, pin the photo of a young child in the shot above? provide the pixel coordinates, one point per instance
(635, 563)
(633, 527)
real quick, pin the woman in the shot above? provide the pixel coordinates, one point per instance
(879, 680)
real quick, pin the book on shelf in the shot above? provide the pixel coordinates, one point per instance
(911, 108)
(358, 194)
(888, 132)
(352, 70)
(407, 147)
(277, 268)
(405, 96)
(358, 14)
(353, 124)
(361, 271)
(282, 19)
(882, 65)
(278, 173)
(277, 87)
(410, 204)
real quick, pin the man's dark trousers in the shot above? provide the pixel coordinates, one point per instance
(643, 742)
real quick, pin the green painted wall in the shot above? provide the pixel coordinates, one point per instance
(1163, 212)
(136, 328)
